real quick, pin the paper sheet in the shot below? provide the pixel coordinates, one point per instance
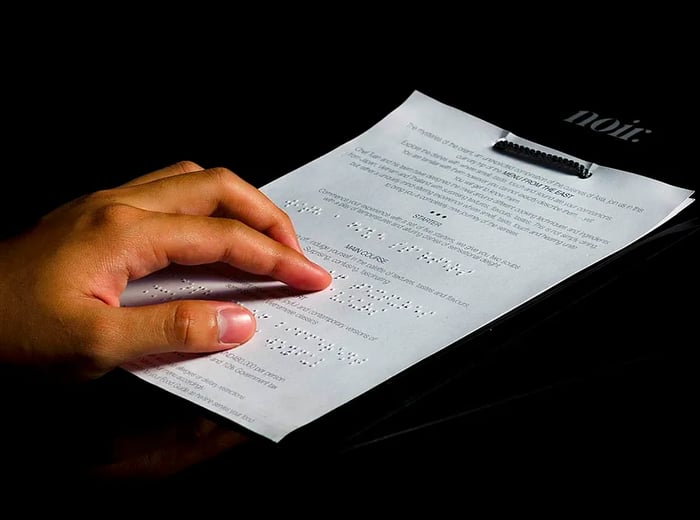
(429, 235)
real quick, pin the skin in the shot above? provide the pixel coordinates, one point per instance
(62, 279)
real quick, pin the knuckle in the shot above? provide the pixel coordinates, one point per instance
(221, 175)
(272, 263)
(188, 166)
(114, 215)
(277, 265)
(186, 329)
(99, 198)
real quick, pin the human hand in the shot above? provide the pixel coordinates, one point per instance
(61, 281)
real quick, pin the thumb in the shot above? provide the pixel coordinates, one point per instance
(182, 326)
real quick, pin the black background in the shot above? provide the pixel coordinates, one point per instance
(596, 381)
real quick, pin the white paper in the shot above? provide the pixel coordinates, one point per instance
(429, 235)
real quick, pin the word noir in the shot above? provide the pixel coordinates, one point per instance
(608, 125)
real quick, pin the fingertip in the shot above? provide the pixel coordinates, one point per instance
(296, 245)
(325, 276)
(288, 238)
(318, 278)
(291, 242)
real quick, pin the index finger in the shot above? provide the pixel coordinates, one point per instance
(174, 169)
(215, 192)
(165, 238)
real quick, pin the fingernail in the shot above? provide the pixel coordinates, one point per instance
(236, 325)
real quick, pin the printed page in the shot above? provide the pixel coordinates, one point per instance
(429, 235)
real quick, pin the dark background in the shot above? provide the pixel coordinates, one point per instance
(598, 378)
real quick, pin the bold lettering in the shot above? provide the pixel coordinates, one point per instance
(582, 113)
(614, 123)
(623, 128)
(607, 125)
(632, 132)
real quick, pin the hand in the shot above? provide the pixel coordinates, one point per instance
(61, 281)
